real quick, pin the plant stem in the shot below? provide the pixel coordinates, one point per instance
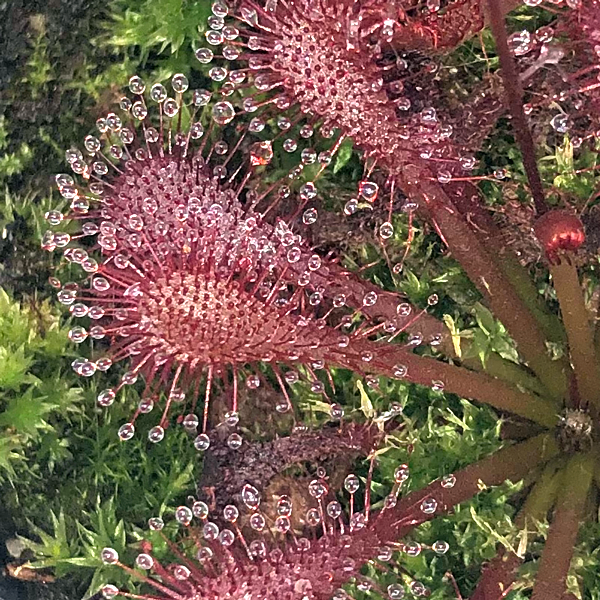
(458, 380)
(467, 199)
(510, 463)
(514, 93)
(579, 331)
(355, 289)
(501, 571)
(489, 279)
(558, 551)
(508, 371)
(340, 281)
(543, 495)
(498, 575)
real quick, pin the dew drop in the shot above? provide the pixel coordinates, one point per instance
(106, 397)
(110, 591)
(351, 483)
(440, 547)
(448, 481)
(334, 509)
(429, 506)
(384, 553)
(235, 441)
(313, 518)
(253, 382)
(560, 123)
(417, 588)
(351, 207)
(223, 113)
(136, 85)
(386, 230)
(231, 513)
(412, 548)
(368, 190)
(200, 509)
(155, 523)
(369, 299)
(261, 153)
(202, 442)
(145, 406)
(257, 522)
(400, 371)
(437, 385)
(308, 191)
(337, 412)
(210, 531)
(144, 561)
(158, 92)
(109, 556)
(402, 473)
(310, 216)
(183, 515)
(317, 489)
(290, 145)
(520, 43)
(250, 497)
(156, 434)
(126, 431)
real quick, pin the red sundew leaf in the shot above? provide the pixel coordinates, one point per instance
(194, 284)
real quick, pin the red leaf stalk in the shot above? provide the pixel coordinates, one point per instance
(491, 282)
(511, 463)
(501, 572)
(514, 93)
(558, 550)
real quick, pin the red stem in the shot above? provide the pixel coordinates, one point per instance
(511, 463)
(497, 576)
(514, 94)
(501, 571)
(466, 197)
(337, 280)
(558, 551)
(489, 279)
(458, 380)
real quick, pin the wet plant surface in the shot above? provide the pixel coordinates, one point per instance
(310, 309)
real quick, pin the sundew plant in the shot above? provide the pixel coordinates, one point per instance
(327, 281)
